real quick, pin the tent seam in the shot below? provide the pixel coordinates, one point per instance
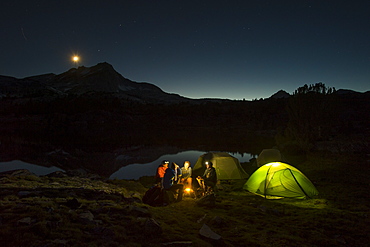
(298, 183)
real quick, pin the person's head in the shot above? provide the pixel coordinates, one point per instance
(187, 164)
(209, 164)
(165, 163)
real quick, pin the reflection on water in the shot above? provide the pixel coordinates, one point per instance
(18, 164)
(135, 171)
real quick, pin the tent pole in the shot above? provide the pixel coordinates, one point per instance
(298, 183)
(266, 180)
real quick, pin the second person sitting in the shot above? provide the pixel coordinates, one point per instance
(169, 185)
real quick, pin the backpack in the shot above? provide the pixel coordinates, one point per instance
(153, 196)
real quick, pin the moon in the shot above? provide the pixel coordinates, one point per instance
(75, 58)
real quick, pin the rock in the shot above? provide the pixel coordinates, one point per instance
(17, 173)
(53, 224)
(206, 232)
(104, 232)
(178, 243)
(141, 220)
(107, 204)
(201, 219)
(87, 215)
(60, 242)
(25, 221)
(207, 201)
(131, 200)
(93, 176)
(77, 173)
(218, 221)
(73, 203)
(152, 227)
(56, 174)
(138, 211)
(24, 193)
(55, 184)
(134, 197)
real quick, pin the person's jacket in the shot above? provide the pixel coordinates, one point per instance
(160, 171)
(210, 175)
(168, 178)
(186, 173)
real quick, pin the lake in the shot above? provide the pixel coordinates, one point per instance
(132, 171)
(135, 171)
(18, 164)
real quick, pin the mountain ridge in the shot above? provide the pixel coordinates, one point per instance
(103, 78)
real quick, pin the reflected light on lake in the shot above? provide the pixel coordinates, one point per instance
(135, 171)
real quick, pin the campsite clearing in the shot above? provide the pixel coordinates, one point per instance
(35, 211)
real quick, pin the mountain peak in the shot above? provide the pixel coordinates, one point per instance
(100, 78)
(82, 70)
(103, 66)
(281, 94)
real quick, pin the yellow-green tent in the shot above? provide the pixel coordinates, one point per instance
(227, 167)
(278, 180)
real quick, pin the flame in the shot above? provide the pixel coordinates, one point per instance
(188, 190)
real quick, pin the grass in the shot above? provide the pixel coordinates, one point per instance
(34, 211)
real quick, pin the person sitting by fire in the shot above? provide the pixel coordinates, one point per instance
(186, 178)
(160, 173)
(178, 173)
(209, 179)
(169, 185)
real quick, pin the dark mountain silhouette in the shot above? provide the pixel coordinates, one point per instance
(281, 94)
(13, 87)
(101, 78)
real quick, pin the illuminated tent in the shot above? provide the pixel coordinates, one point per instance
(277, 180)
(227, 166)
(268, 155)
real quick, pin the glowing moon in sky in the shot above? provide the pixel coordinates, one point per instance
(75, 58)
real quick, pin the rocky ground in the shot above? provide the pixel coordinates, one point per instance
(80, 209)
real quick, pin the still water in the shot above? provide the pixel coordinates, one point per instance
(18, 164)
(135, 171)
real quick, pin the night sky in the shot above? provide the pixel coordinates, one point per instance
(198, 49)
